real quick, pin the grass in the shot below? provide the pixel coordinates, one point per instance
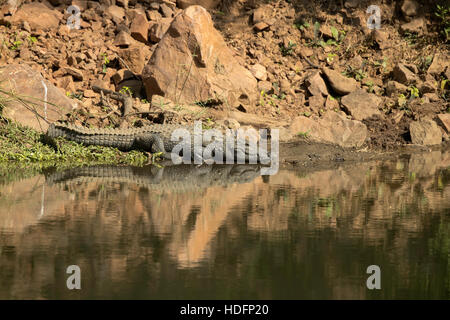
(23, 147)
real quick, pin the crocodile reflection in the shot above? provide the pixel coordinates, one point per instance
(154, 229)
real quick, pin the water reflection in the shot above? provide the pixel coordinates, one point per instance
(227, 232)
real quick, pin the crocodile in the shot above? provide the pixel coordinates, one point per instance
(154, 138)
(175, 178)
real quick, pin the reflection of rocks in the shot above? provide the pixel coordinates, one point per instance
(114, 226)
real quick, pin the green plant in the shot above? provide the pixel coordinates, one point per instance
(287, 51)
(126, 90)
(330, 57)
(303, 134)
(414, 92)
(31, 40)
(443, 13)
(16, 45)
(105, 62)
(351, 72)
(301, 25)
(381, 64)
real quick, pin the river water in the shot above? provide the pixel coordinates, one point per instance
(228, 233)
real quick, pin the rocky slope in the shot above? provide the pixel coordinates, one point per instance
(313, 69)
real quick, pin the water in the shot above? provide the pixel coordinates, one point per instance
(228, 233)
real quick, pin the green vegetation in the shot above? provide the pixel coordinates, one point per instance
(303, 134)
(126, 90)
(25, 147)
(443, 13)
(105, 62)
(287, 51)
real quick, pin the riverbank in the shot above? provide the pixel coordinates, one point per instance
(312, 69)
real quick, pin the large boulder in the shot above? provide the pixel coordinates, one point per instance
(361, 104)
(193, 64)
(208, 4)
(332, 128)
(38, 16)
(425, 132)
(43, 101)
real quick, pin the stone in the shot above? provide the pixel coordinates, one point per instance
(259, 72)
(361, 104)
(50, 103)
(425, 132)
(444, 121)
(410, 8)
(116, 13)
(393, 88)
(332, 128)
(121, 75)
(260, 26)
(159, 29)
(331, 103)
(38, 16)
(260, 15)
(166, 10)
(316, 102)
(316, 85)
(194, 52)
(139, 28)
(265, 86)
(207, 4)
(135, 57)
(417, 25)
(403, 75)
(440, 63)
(123, 39)
(74, 72)
(340, 84)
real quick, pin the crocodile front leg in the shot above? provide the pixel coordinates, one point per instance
(154, 143)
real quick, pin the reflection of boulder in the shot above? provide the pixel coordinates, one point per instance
(425, 164)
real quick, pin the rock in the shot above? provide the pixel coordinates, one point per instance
(382, 38)
(121, 75)
(432, 97)
(316, 102)
(340, 84)
(259, 72)
(444, 121)
(38, 16)
(425, 132)
(361, 105)
(316, 85)
(440, 62)
(9, 7)
(123, 40)
(418, 26)
(207, 4)
(139, 28)
(135, 57)
(50, 103)
(116, 13)
(166, 10)
(260, 15)
(393, 88)
(154, 15)
(74, 72)
(66, 83)
(332, 128)
(159, 29)
(403, 75)
(89, 93)
(265, 86)
(427, 87)
(331, 103)
(410, 8)
(194, 52)
(260, 26)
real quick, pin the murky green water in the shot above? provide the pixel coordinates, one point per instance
(228, 233)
